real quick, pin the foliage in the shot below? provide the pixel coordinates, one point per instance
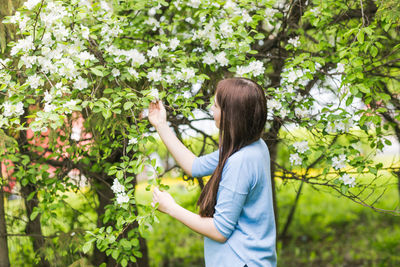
(76, 80)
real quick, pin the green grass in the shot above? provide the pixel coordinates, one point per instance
(327, 230)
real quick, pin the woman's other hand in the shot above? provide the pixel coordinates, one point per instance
(157, 114)
(165, 200)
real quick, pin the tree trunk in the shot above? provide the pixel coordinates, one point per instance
(105, 195)
(4, 262)
(271, 139)
(289, 219)
(33, 228)
(7, 32)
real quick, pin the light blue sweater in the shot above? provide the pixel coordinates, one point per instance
(244, 211)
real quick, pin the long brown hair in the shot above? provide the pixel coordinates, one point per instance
(243, 115)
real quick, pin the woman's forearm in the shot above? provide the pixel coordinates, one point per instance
(202, 225)
(183, 156)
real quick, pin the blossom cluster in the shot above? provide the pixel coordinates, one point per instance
(348, 180)
(301, 148)
(119, 190)
(339, 162)
(255, 68)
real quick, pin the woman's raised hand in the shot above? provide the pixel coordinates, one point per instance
(165, 201)
(157, 114)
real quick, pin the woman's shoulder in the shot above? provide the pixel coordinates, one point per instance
(256, 151)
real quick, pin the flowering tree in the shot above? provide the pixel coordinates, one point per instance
(80, 74)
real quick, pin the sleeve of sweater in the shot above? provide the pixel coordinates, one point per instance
(205, 165)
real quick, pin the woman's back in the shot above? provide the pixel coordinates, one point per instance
(244, 211)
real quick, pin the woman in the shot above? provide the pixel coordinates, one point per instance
(236, 212)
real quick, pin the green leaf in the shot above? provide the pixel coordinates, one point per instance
(31, 195)
(97, 72)
(374, 51)
(120, 174)
(349, 100)
(387, 142)
(344, 189)
(373, 170)
(259, 36)
(106, 113)
(353, 90)
(364, 88)
(124, 263)
(128, 105)
(125, 244)
(86, 247)
(360, 36)
(24, 182)
(115, 254)
(34, 214)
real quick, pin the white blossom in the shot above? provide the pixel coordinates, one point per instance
(301, 112)
(60, 32)
(230, 5)
(289, 88)
(194, 3)
(255, 68)
(48, 107)
(27, 60)
(294, 41)
(83, 56)
(187, 94)
(80, 84)
(226, 29)
(246, 17)
(340, 67)
(85, 32)
(196, 87)
(48, 97)
(117, 187)
(295, 159)
(185, 74)
(104, 6)
(67, 68)
(24, 45)
(153, 52)
(154, 94)
(274, 104)
(122, 198)
(209, 58)
(136, 57)
(283, 113)
(221, 59)
(173, 43)
(115, 72)
(152, 11)
(292, 76)
(16, 18)
(133, 72)
(76, 133)
(339, 162)
(154, 75)
(348, 180)
(301, 147)
(189, 20)
(11, 110)
(132, 141)
(30, 4)
(316, 11)
(69, 106)
(35, 81)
